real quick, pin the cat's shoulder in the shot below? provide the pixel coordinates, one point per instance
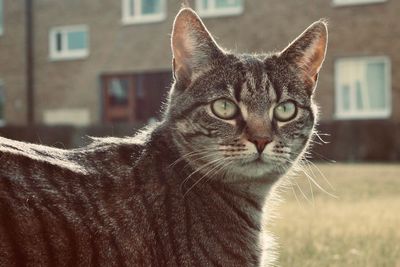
(105, 153)
(130, 146)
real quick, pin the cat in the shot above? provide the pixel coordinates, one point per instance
(189, 190)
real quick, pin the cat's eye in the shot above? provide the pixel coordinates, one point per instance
(224, 108)
(285, 111)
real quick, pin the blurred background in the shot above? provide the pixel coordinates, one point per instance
(72, 68)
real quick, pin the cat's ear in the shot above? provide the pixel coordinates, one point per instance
(307, 52)
(193, 47)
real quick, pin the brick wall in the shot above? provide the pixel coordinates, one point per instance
(364, 30)
(12, 61)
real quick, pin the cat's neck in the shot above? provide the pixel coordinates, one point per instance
(226, 214)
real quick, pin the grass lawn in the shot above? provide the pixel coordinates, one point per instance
(359, 228)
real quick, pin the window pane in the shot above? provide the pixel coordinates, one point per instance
(151, 7)
(359, 96)
(118, 92)
(227, 3)
(76, 40)
(205, 4)
(376, 85)
(58, 41)
(131, 7)
(346, 97)
(347, 2)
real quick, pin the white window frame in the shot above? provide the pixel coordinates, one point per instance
(2, 18)
(217, 12)
(341, 114)
(355, 2)
(2, 120)
(67, 54)
(138, 17)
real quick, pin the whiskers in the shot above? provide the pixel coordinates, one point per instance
(195, 153)
(302, 165)
(308, 170)
(311, 172)
(207, 163)
(281, 155)
(211, 169)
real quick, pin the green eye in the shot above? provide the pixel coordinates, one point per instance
(285, 111)
(224, 109)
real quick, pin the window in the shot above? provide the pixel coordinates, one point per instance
(118, 91)
(210, 8)
(2, 102)
(70, 42)
(136, 97)
(355, 2)
(362, 88)
(1, 17)
(143, 11)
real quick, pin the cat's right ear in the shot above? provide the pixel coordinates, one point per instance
(193, 47)
(307, 52)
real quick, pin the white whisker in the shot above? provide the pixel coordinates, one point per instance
(189, 154)
(197, 170)
(318, 186)
(301, 191)
(295, 195)
(198, 181)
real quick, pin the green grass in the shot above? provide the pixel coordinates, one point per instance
(359, 228)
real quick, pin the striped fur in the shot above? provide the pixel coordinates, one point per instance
(117, 209)
(187, 191)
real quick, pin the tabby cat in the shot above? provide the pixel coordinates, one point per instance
(187, 191)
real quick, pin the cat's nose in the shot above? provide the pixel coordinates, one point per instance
(260, 143)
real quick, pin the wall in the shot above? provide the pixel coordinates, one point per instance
(364, 30)
(12, 61)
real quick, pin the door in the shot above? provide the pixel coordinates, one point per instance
(135, 97)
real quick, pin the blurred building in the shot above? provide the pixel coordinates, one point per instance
(97, 62)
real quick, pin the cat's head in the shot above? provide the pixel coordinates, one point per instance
(251, 115)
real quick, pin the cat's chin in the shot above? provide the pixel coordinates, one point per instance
(256, 170)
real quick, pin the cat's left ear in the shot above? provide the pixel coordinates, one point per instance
(307, 52)
(193, 47)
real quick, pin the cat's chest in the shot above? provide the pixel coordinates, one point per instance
(205, 223)
(224, 226)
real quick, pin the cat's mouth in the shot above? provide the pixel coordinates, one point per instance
(256, 161)
(259, 160)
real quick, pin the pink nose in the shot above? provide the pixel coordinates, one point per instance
(260, 143)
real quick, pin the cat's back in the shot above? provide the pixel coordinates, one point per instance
(18, 158)
(53, 201)
(28, 169)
